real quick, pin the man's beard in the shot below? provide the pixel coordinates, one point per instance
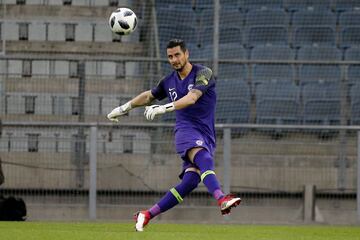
(180, 68)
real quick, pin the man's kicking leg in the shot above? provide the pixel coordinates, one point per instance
(173, 197)
(205, 162)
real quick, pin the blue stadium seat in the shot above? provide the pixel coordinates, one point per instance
(327, 53)
(355, 104)
(321, 102)
(314, 27)
(228, 17)
(353, 54)
(228, 34)
(278, 102)
(350, 29)
(265, 72)
(233, 101)
(311, 35)
(315, 72)
(296, 5)
(232, 71)
(263, 35)
(346, 5)
(226, 51)
(166, 15)
(261, 17)
(318, 17)
(185, 32)
(269, 52)
(261, 4)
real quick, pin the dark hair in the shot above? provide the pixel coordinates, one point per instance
(176, 42)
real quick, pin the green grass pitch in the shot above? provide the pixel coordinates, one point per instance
(157, 231)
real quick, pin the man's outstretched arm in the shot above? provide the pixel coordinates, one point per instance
(142, 99)
(189, 99)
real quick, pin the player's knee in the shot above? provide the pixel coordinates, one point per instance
(192, 178)
(204, 161)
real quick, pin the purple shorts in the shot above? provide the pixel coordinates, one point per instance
(186, 140)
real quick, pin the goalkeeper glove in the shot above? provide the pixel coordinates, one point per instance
(153, 110)
(119, 111)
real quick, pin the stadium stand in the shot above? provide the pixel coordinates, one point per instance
(346, 5)
(248, 5)
(355, 104)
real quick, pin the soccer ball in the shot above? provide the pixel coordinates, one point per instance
(123, 21)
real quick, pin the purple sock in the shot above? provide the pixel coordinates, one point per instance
(175, 195)
(205, 163)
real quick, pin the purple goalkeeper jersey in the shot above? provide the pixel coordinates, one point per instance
(197, 119)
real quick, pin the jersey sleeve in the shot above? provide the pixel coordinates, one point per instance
(159, 91)
(204, 79)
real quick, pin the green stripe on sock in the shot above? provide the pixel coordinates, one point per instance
(176, 195)
(208, 172)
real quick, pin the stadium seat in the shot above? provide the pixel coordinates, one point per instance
(233, 101)
(232, 71)
(353, 54)
(315, 72)
(277, 102)
(261, 17)
(166, 15)
(185, 32)
(355, 104)
(228, 34)
(326, 53)
(226, 51)
(318, 17)
(346, 5)
(321, 102)
(265, 72)
(263, 35)
(315, 36)
(269, 52)
(228, 17)
(349, 29)
(248, 5)
(297, 5)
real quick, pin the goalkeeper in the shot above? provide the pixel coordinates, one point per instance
(190, 89)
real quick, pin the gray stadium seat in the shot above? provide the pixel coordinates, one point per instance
(353, 54)
(311, 35)
(315, 72)
(228, 17)
(233, 101)
(263, 35)
(228, 34)
(321, 102)
(278, 102)
(261, 17)
(166, 15)
(265, 72)
(226, 51)
(232, 71)
(313, 27)
(355, 104)
(261, 4)
(318, 17)
(326, 53)
(185, 32)
(350, 29)
(269, 52)
(346, 5)
(296, 5)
